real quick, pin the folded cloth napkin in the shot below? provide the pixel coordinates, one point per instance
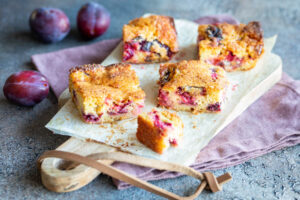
(271, 123)
(55, 65)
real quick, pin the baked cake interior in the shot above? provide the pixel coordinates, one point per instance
(106, 94)
(232, 47)
(149, 39)
(159, 129)
(192, 86)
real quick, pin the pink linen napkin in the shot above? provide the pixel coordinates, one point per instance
(271, 123)
(55, 65)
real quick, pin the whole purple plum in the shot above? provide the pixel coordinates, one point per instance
(92, 20)
(49, 24)
(26, 88)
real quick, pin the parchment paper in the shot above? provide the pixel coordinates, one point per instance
(198, 129)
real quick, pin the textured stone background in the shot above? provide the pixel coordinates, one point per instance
(24, 138)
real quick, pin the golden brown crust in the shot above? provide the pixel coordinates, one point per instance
(253, 30)
(192, 73)
(117, 81)
(216, 43)
(115, 75)
(193, 86)
(85, 68)
(153, 27)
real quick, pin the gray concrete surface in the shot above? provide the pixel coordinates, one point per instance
(23, 136)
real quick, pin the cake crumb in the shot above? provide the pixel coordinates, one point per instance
(102, 126)
(109, 137)
(194, 124)
(125, 145)
(119, 141)
(132, 138)
(234, 87)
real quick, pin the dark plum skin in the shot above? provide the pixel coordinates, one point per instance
(92, 20)
(26, 88)
(49, 24)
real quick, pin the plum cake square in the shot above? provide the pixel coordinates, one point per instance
(159, 129)
(193, 86)
(106, 94)
(232, 47)
(149, 39)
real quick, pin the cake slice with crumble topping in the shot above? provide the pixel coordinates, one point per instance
(149, 39)
(193, 86)
(232, 47)
(159, 129)
(106, 94)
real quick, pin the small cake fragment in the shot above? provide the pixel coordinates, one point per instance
(193, 86)
(149, 39)
(159, 129)
(106, 94)
(232, 47)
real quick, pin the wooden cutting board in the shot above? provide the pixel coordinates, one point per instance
(57, 175)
